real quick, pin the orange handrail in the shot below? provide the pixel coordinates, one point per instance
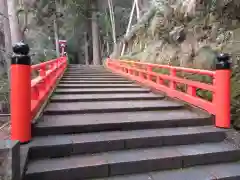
(220, 88)
(48, 73)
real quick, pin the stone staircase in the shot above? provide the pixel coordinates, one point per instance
(100, 125)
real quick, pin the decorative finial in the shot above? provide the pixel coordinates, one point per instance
(21, 48)
(223, 57)
(223, 61)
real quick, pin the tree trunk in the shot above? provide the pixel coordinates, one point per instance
(112, 18)
(55, 25)
(108, 49)
(101, 42)
(13, 20)
(95, 35)
(86, 52)
(7, 36)
(88, 39)
(129, 26)
(56, 37)
(144, 4)
(2, 44)
(8, 39)
(7, 30)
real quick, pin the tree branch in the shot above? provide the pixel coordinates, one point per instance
(25, 24)
(145, 18)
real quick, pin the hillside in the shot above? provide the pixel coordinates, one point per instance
(188, 33)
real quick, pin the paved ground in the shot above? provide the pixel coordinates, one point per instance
(233, 137)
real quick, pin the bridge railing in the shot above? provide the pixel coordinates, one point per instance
(48, 73)
(31, 86)
(168, 79)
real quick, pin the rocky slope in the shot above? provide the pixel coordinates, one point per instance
(189, 33)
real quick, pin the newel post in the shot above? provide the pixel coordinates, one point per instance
(223, 91)
(20, 100)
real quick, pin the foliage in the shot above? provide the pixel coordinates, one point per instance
(190, 34)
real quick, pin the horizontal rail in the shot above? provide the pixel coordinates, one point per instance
(169, 82)
(43, 64)
(189, 70)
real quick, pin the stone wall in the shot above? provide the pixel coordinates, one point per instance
(9, 160)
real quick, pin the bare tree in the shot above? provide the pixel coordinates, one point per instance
(95, 34)
(6, 45)
(7, 30)
(112, 18)
(88, 49)
(16, 34)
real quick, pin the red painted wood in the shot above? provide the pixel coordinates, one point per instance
(143, 73)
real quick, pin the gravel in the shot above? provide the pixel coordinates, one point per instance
(233, 137)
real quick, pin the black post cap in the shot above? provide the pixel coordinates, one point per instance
(20, 55)
(223, 61)
(21, 48)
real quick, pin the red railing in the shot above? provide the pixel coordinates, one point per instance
(30, 89)
(48, 73)
(152, 75)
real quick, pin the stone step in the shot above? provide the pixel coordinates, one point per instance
(223, 171)
(88, 74)
(105, 97)
(87, 143)
(91, 74)
(95, 122)
(86, 68)
(108, 106)
(130, 161)
(119, 85)
(73, 77)
(89, 71)
(79, 73)
(83, 66)
(94, 81)
(101, 90)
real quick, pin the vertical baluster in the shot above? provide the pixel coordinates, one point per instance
(149, 70)
(42, 74)
(173, 83)
(191, 90)
(159, 80)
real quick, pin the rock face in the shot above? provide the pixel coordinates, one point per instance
(190, 33)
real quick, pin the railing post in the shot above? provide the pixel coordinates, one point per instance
(223, 94)
(192, 91)
(159, 80)
(149, 70)
(43, 85)
(20, 93)
(173, 74)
